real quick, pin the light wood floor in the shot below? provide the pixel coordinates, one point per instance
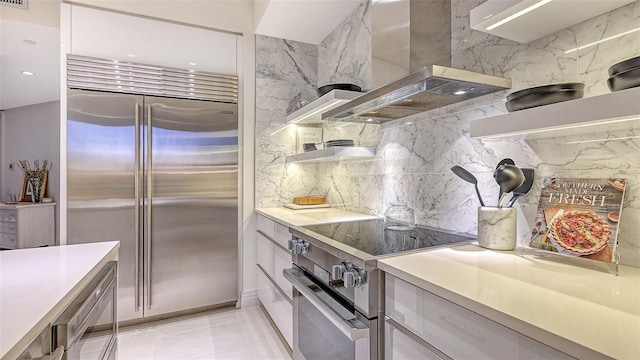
(224, 334)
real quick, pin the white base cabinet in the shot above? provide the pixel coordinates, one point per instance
(27, 225)
(423, 322)
(274, 291)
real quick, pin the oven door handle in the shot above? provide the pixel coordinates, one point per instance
(353, 333)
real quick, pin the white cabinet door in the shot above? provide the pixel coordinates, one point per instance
(282, 260)
(282, 235)
(264, 253)
(530, 349)
(277, 305)
(454, 330)
(266, 226)
(400, 344)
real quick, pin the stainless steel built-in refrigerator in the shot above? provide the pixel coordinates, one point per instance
(160, 175)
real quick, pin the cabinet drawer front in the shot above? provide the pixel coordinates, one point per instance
(8, 215)
(8, 241)
(282, 260)
(277, 305)
(530, 349)
(264, 253)
(266, 226)
(452, 329)
(398, 345)
(9, 227)
(282, 235)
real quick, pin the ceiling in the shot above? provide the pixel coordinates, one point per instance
(286, 18)
(40, 54)
(39, 25)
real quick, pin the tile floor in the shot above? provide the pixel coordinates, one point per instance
(233, 334)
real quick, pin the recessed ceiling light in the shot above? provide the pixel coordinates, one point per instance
(192, 64)
(29, 42)
(28, 73)
(131, 55)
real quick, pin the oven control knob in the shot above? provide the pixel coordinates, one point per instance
(301, 247)
(353, 278)
(337, 271)
(292, 243)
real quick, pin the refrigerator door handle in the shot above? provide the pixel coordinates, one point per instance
(148, 200)
(136, 210)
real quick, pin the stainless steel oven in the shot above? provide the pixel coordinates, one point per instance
(338, 298)
(326, 325)
(88, 328)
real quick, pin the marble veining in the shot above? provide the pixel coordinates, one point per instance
(414, 154)
(594, 61)
(497, 228)
(345, 55)
(286, 72)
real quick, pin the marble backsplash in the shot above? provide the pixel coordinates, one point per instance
(414, 154)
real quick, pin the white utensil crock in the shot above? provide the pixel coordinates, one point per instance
(497, 228)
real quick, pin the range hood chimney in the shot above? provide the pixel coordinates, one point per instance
(411, 54)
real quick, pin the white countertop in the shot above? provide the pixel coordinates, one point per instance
(311, 216)
(547, 300)
(37, 284)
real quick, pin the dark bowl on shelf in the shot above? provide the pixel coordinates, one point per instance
(624, 66)
(625, 80)
(325, 89)
(532, 100)
(546, 89)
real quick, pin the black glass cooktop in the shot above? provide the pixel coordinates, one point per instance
(371, 237)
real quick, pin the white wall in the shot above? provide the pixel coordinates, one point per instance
(2, 197)
(31, 133)
(232, 16)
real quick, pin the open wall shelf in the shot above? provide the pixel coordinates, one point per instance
(619, 110)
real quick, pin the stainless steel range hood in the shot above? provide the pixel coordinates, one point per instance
(413, 37)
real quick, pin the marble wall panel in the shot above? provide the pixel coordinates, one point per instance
(595, 60)
(345, 55)
(414, 154)
(286, 72)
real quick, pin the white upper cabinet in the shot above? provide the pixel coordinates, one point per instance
(117, 36)
(527, 20)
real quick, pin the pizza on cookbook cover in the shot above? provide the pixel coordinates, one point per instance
(579, 217)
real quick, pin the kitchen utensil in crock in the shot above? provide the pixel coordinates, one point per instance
(505, 161)
(509, 177)
(524, 188)
(468, 177)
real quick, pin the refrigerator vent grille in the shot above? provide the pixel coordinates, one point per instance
(90, 73)
(21, 4)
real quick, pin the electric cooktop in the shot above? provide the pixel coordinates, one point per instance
(371, 237)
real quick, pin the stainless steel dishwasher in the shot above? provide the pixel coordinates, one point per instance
(88, 328)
